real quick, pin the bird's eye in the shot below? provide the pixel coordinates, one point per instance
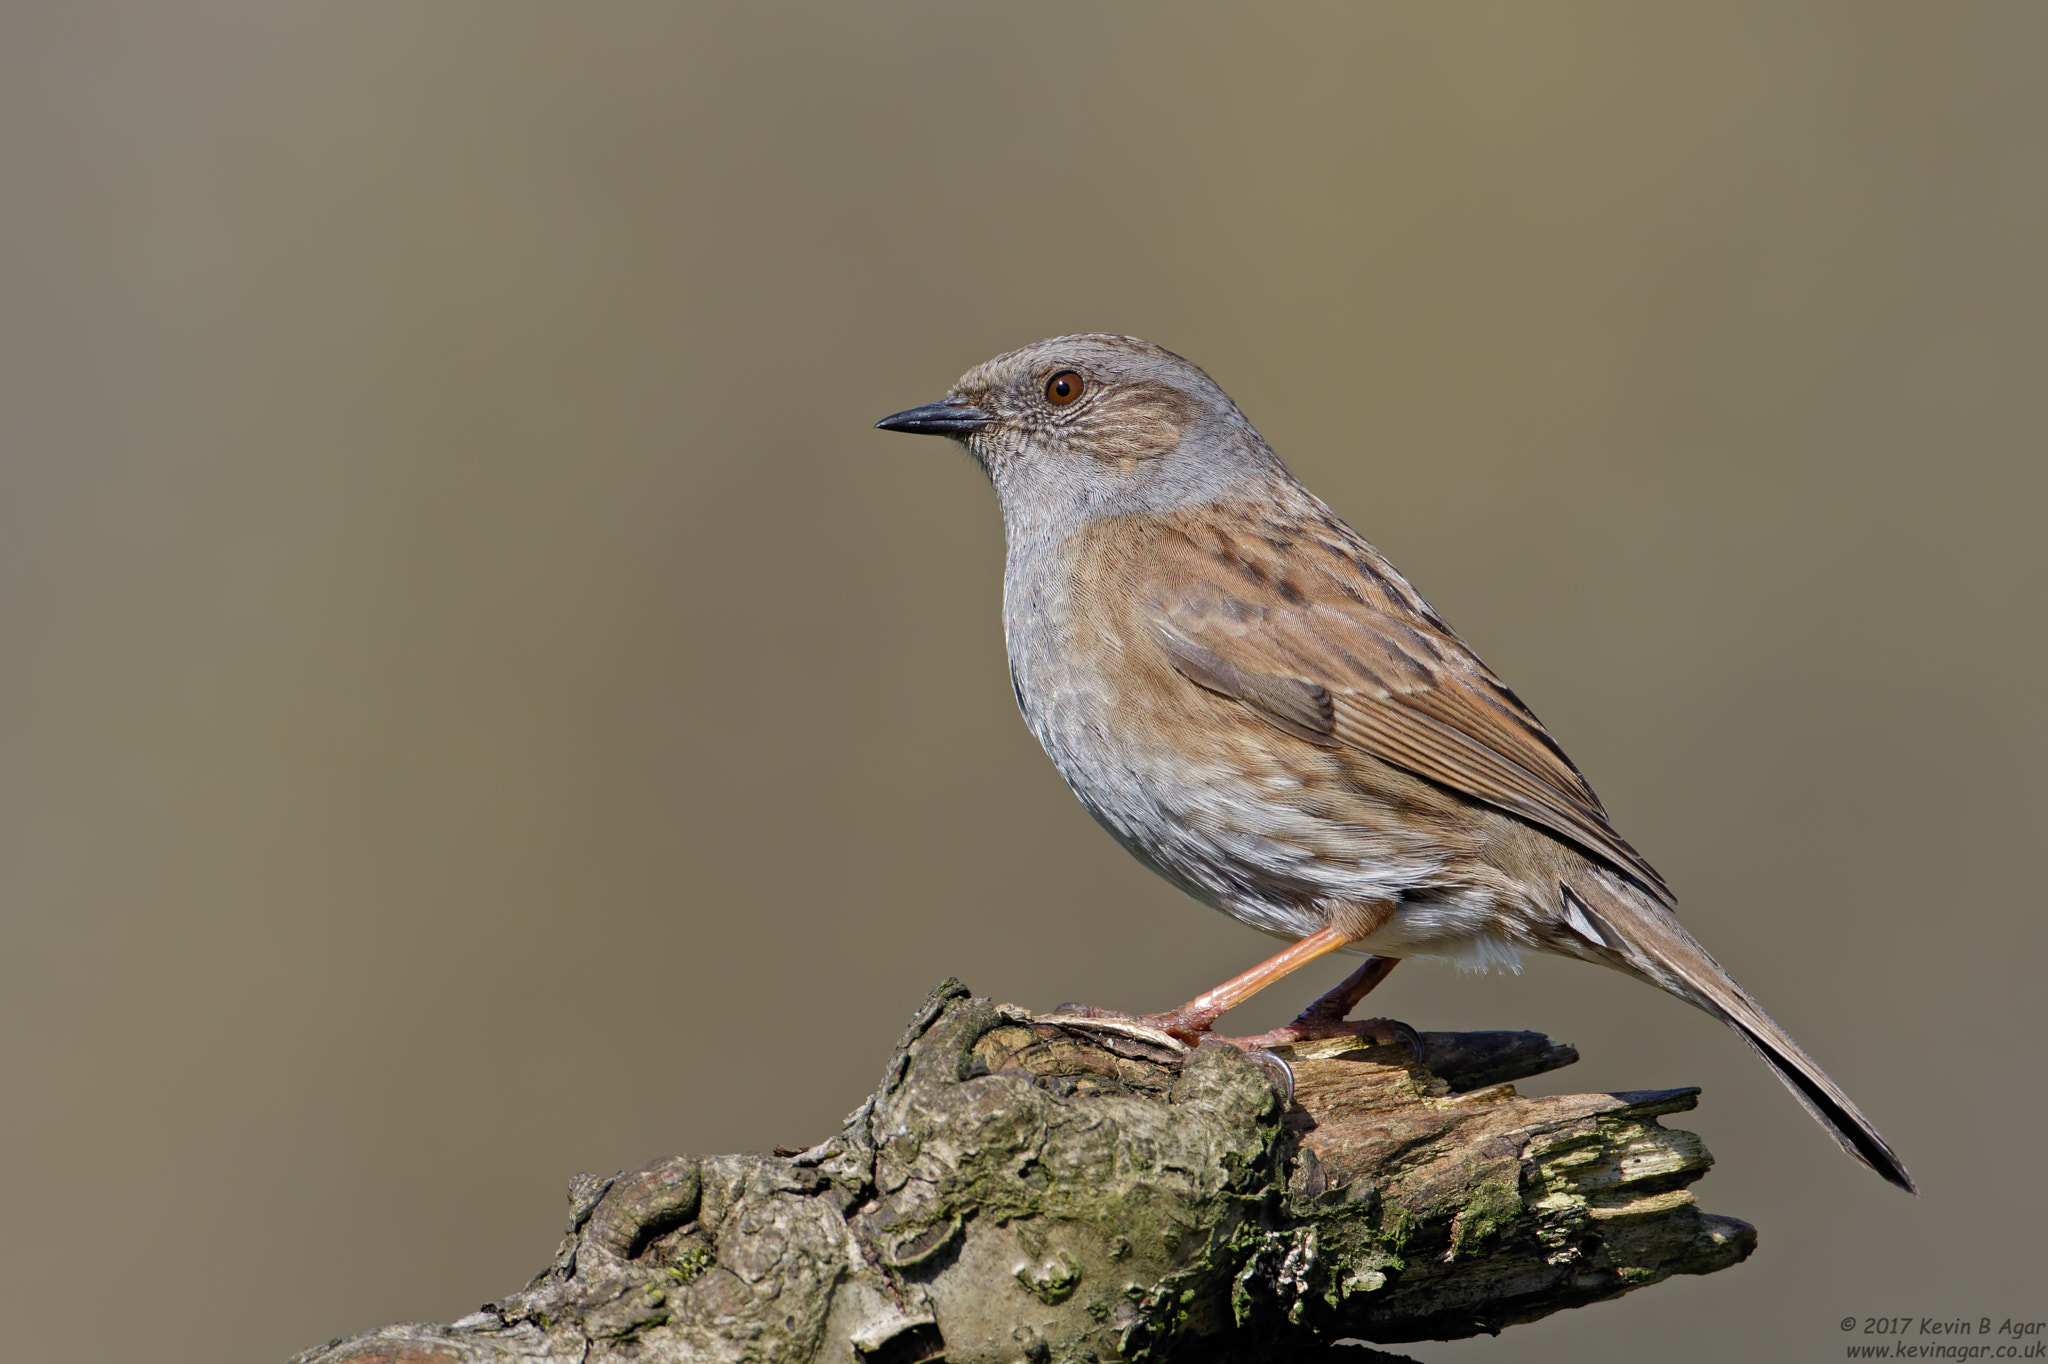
(1063, 388)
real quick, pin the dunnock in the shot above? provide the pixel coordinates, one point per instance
(1261, 709)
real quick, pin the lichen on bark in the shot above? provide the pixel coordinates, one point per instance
(1043, 1189)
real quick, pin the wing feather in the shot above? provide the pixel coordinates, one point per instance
(1349, 655)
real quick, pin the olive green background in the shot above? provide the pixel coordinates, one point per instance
(479, 702)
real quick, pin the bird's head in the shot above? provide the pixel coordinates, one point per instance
(1080, 427)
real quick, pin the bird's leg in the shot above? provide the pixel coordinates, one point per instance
(1337, 1004)
(1325, 1017)
(1193, 1019)
(1349, 923)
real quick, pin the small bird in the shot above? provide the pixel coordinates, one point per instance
(1261, 709)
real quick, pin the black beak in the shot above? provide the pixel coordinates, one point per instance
(949, 418)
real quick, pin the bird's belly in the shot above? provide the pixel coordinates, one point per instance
(1274, 835)
(1244, 838)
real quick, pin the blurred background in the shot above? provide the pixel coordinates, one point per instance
(478, 702)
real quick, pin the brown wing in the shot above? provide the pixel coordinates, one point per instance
(1308, 626)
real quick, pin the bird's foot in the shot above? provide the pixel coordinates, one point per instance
(1326, 1017)
(1186, 1025)
(1384, 1031)
(1191, 1027)
(1269, 1049)
(1195, 1027)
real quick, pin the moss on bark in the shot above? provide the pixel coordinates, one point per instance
(1042, 1189)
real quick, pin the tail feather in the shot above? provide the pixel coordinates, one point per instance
(1823, 1098)
(1656, 947)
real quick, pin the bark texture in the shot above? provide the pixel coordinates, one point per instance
(1043, 1189)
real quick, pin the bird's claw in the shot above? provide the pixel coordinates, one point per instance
(1388, 1031)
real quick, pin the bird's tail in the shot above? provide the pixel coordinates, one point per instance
(1647, 941)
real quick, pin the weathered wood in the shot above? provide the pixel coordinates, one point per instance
(1042, 1188)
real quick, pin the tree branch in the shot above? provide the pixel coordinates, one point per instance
(1045, 1189)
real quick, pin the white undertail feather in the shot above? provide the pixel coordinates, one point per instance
(1481, 955)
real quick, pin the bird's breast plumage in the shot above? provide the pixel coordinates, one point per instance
(1243, 817)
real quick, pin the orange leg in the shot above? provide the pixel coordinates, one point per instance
(1325, 1017)
(1199, 1014)
(1192, 1021)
